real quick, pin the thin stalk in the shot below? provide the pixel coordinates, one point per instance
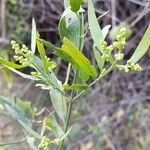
(73, 93)
(13, 142)
(69, 110)
(68, 73)
(95, 81)
(65, 94)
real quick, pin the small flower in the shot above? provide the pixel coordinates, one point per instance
(23, 54)
(44, 143)
(119, 56)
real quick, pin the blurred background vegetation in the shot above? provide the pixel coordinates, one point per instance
(115, 114)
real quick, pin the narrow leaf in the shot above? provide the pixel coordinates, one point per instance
(30, 130)
(57, 98)
(53, 125)
(41, 51)
(95, 29)
(25, 76)
(10, 64)
(75, 86)
(142, 47)
(105, 31)
(33, 36)
(7, 75)
(78, 59)
(96, 33)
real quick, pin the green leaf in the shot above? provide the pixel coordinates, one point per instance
(7, 75)
(10, 64)
(71, 53)
(96, 33)
(41, 51)
(20, 111)
(75, 5)
(53, 125)
(75, 86)
(30, 130)
(114, 31)
(100, 61)
(78, 60)
(70, 27)
(142, 47)
(17, 112)
(94, 27)
(33, 36)
(105, 31)
(25, 76)
(58, 100)
(25, 107)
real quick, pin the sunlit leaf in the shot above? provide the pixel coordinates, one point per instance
(105, 31)
(25, 76)
(75, 5)
(142, 47)
(41, 51)
(10, 64)
(78, 59)
(71, 53)
(33, 36)
(75, 86)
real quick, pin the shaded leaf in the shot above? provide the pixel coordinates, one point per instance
(52, 125)
(94, 27)
(96, 33)
(30, 130)
(114, 31)
(7, 75)
(69, 27)
(58, 100)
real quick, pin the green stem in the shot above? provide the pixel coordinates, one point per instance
(69, 110)
(68, 73)
(95, 81)
(13, 142)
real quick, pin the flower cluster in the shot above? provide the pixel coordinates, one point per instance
(106, 50)
(44, 143)
(118, 46)
(129, 66)
(23, 54)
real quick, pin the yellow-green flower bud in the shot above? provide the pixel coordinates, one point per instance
(119, 56)
(13, 42)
